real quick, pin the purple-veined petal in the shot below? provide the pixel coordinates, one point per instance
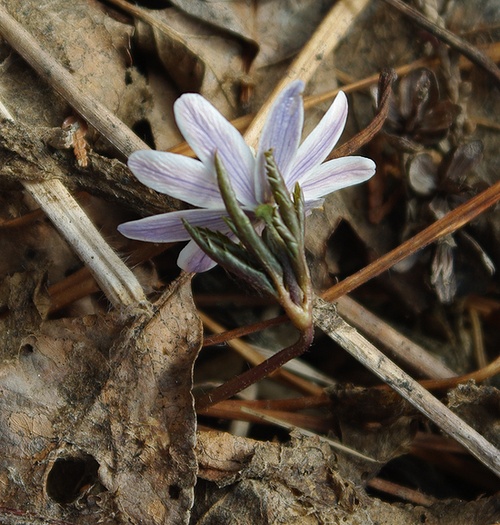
(207, 132)
(320, 142)
(282, 132)
(168, 227)
(193, 259)
(335, 175)
(180, 177)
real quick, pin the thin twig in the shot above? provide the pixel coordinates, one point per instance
(468, 50)
(448, 224)
(115, 279)
(401, 492)
(239, 383)
(353, 342)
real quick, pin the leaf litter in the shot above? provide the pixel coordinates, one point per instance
(97, 417)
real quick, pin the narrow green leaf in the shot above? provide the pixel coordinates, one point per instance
(281, 195)
(242, 224)
(231, 256)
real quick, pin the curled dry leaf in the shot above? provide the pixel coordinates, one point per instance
(195, 56)
(88, 438)
(299, 483)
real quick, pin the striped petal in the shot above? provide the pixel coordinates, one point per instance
(168, 227)
(178, 176)
(283, 127)
(320, 142)
(335, 175)
(207, 132)
(193, 259)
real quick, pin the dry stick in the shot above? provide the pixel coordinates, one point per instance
(254, 358)
(114, 277)
(350, 339)
(116, 280)
(406, 351)
(468, 50)
(112, 128)
(451, 222)
(328, 34)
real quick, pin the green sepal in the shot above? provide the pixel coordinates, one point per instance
(231, 256)
(243, 227)
(281, 195)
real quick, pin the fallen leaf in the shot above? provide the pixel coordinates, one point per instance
(89, 437)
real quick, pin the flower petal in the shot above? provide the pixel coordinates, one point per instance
(320, 142)
(178, 176)
(193, 259)
(283, 127)
(168, 227)
(335, 175)
(207, 132)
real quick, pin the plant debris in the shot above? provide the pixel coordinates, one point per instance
(99, 421)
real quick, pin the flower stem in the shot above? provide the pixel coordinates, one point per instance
(244, 380)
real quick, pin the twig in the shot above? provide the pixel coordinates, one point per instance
(468, 50)
(239, 383)
(114, 277)
(96, 114)
(254, 358)
(451, 222)
(406, 351)
(401, 492)
(353, 342)
(366, 134)
(490, 370)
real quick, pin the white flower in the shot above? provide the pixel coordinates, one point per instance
(195, 181)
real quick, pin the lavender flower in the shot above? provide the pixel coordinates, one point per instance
(209, 133)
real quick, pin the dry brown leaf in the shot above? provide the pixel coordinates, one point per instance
(298, 483)
(150, 465)
(277, 29)
(195, 56)
(125, 424)
(85, 40)
(45, 392)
